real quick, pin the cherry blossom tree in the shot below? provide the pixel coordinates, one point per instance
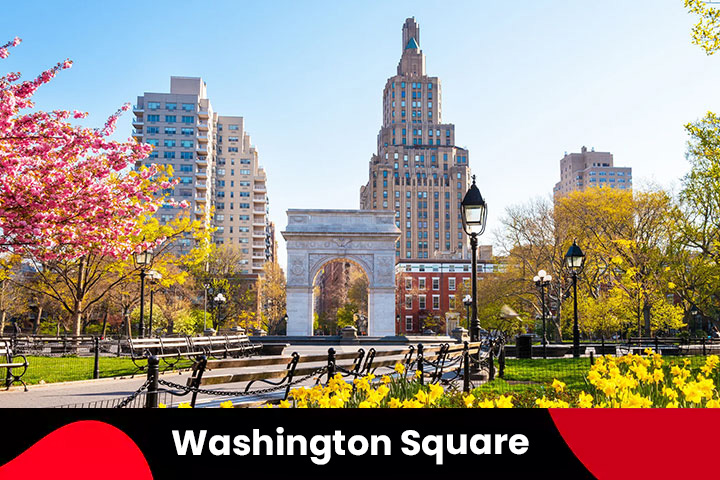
(67, 191)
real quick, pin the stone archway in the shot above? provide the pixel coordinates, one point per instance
(316, 237)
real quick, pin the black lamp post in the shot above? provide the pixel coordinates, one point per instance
(143, 259)
(574, 260)
(474, 216)
(467, 300)
(154, 277)
(694, 312)
(542, 280)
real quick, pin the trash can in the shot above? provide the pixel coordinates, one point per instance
(523, 346)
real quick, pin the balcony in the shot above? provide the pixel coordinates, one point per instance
(202, 138)
(259, 188)
(202, 126)
(201, 173)
(201, 185)
(137, 133)
(138, 122)
(257, 234)
(138, 109)
(200, 198)
(203, 114)
(202, 150)
(201, 162)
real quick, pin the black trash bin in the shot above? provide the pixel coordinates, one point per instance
(523, 346)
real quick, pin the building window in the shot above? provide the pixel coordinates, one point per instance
(436, 302)
(170, 118)
(408, 302)
(169, 143)
(188, 107)
(188, 119)
(171, 106)
(421, 283)
(421, 302)
(436, 283)
(451, 302)
(153, 105)
(408, 323)
(451, 283)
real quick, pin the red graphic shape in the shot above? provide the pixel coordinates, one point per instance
(87, 450)
(622, 444)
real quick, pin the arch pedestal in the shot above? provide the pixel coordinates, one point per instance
(317, 237)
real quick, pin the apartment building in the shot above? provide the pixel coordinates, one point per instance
(591, 169)
(418, 171)
(215, 162)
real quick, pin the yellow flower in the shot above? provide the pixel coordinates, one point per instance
(412, 404)
(418, 373)
(184, 405)
(324, 402)
(385, 379)
(227, 404)
(558, 385)
(436, 391)
(585, 400)
(504, 402)
(672, 405)
(365, 404)
(400, 368)
(487, 403)
(712, 403)
(284, 404)
(336, 402)
(422, 397)
(469, 400)
(395, 403)
(162, 405)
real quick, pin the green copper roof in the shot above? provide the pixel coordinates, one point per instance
(412, 44)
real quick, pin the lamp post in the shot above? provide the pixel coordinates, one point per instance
(143, 259)
(218, 300)
(542, 280)
(467, 300)
(153, 278)
(206, 286)
(474, 216)
(695, 312)
(285, 318)
(574, 260)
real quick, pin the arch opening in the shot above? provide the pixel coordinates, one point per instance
(340, 296)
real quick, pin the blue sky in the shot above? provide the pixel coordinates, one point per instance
(523, 81)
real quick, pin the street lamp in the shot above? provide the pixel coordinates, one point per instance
(574, 260)
(206, 286)
(474, 216)
(153, 277)
(542, 280)
(467, 300)
(143, 259)
(695, 312)
(218, 300)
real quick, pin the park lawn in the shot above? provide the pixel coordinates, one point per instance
(66, 369)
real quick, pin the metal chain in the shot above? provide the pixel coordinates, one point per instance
(349, 372)
(235, 393)
(132, 397)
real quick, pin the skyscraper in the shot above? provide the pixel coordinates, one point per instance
(579, 171)
(418, 171)
(216, 164)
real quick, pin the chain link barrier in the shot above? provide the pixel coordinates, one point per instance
(132, 397)
(236, 393)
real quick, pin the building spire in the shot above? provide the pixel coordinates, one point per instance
(410, 32)
(412, 61)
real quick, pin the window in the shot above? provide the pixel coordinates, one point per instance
(153, 118)
(451, 302)
(421, 283)
(168, 154)
(187, 131)
(451, 283)
(408, 323)
(153, 105)
(169, 143)
(171, 106)
(188, 107)
(186, 168)
(421, 302)
(152, 130)
(170, 130)
(187, 143)
(171, 118)
(408, 302)
(153, 141)
(232, 127)
(186, 155)
(232, 139)
(436, 302)
(188, 119)
(436, 283)
(232, 149)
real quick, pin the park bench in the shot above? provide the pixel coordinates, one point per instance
(442, 363)
(8, 362)
(172, 349)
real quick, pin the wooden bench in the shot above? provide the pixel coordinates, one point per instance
(437, 363)
(6, 356)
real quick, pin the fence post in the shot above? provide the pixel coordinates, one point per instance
(592, 358)
(420, 363)
(501, 362)
(602, 341)
(96, 370)
(657, 344)
(9, 359)
(466, 367)
(331, 363)
(703, 344)
(153, 366)
(491, 364)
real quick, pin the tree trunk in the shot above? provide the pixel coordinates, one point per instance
(36, 325)
(646, 316)
(79, 297)
(2, 322)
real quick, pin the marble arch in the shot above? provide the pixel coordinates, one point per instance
(316, 237)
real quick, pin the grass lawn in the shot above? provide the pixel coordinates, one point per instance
(534, 374)
(65, 369)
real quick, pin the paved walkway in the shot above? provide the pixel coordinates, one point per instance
(73, 393)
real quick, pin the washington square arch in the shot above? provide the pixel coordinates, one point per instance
(365, 238)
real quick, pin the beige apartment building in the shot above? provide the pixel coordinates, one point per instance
(418, 172)
(588, 169)
(216, 164)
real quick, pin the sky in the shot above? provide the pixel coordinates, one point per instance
(523, 82)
